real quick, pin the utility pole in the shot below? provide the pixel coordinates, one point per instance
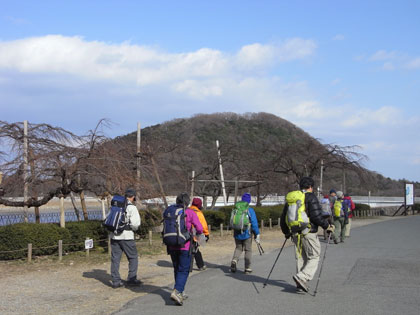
(25, 169)
(221, 173)
(321, 177)
(138, 157)
(192, 185)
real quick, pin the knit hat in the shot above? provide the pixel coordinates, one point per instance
(332, 191)
(197, 202)
(340, 194)
(246, 197)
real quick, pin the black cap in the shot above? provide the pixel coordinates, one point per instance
(183, 199)
(130, 192)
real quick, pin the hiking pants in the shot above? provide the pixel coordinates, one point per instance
(128, 247)
(340, 228)
(348, 226)
(199, 259)
(307, 255)
(246, 246)
(181, 260)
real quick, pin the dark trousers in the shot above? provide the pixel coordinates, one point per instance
(128, 247)
(181, 260)
(199, 259)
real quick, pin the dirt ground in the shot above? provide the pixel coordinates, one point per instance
(81, 285)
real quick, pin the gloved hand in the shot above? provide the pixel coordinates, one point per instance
(288, 235)
(207, 238)
(331, 229)
(257, 239)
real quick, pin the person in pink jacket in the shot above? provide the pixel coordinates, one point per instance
(181, 255)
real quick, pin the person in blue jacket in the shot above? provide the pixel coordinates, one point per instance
(243, 239)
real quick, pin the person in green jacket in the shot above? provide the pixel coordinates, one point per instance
(340, 215)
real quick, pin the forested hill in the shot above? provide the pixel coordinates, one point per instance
(256, 147)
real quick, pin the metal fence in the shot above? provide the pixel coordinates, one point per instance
(49, 217)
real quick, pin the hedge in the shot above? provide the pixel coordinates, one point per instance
(361, 207)
(43, 237)
(263, 213)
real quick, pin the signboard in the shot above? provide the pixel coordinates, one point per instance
(409, 194)
(89, 244)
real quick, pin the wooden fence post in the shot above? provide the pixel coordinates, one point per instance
(209, 228)
(29, 252)
(262, 225)
(221, 229)
(278, 222)
(150, 237)
(270, 224)
(60, 250)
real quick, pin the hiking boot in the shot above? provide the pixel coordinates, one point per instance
(117, 285)
(299, 290)
(233, 266)
(134, 282)
(342, 240)
(301, 283)
(248, 270)
(202, 268)
(184, 296)
(177, 297)
(335, 242)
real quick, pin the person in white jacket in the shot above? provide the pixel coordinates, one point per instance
(124, 243)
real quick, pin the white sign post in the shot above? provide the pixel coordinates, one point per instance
(409, 194)
(89, 244)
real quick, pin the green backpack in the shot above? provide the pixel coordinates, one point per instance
(239, 217)
(297, 220)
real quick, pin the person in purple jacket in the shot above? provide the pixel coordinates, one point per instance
(181, 255)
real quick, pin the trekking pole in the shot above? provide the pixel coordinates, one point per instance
(265, 283)
(260, 248)
(322, 263)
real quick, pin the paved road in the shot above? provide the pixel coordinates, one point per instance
(377, 271)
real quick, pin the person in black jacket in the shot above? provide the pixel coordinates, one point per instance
(308, 247)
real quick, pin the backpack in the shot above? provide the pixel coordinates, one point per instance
(175, 231)
(239, 217)
(116, 220)
(326, 207)
(296, 218)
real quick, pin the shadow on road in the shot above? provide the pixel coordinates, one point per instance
(254, 279)
(164, 263)
(104, 277)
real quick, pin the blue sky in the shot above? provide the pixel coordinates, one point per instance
(347, 72)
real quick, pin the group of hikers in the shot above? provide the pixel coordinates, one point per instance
(185, 228)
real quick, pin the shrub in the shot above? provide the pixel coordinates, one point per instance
(214, 217)
(149, 220)
(262, 213)
(79, 231)
(44, 237)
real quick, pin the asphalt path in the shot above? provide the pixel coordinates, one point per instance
(376, 271)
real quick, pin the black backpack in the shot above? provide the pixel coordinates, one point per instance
(175, 231)
(116, 220)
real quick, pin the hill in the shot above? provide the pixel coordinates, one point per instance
(255, 147)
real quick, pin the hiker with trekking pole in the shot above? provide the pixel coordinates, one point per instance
(301, 217)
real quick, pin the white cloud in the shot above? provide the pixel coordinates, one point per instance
(383, 55)
(413, 64)
(338, 37)
(386, 115)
